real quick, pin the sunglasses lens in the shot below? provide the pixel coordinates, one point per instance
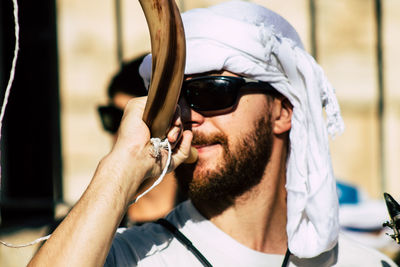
(210, 94)
(110, 118)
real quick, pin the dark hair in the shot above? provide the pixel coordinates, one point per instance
(128, 80)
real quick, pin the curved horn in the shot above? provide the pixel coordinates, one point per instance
(168, 49)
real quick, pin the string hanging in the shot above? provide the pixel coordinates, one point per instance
(27, 244)
(156, 142)
(12, 71)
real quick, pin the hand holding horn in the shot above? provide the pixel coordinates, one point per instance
(168, 64)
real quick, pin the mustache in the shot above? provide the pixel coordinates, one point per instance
(200, 139)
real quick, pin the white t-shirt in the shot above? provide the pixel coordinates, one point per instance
(152, 245)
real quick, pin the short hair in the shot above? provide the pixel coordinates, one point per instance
(128, 80)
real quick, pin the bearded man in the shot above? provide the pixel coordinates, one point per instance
(262, 192)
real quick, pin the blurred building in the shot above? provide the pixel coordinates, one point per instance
(346, 41)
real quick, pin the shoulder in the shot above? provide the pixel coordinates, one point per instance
(131, 245)
(136, 244)
(347, 253)
(352, 253)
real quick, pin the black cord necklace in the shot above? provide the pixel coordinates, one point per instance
(188, 244)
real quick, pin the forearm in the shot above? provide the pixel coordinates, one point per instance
(85, 236)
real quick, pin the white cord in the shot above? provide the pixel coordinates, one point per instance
(27, 244)
(5, 100)
(12, 72)
(157, 146)
(3, 111)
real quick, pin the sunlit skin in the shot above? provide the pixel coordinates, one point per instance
(268, 199)
(161, 199)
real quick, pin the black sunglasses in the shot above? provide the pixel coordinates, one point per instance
(216, 93)
(206, 93)
(110, 117)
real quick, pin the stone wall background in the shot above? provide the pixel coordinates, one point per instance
(346, 51)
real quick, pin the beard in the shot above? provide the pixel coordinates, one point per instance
(241, 167)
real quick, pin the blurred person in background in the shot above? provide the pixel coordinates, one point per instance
(124, 85)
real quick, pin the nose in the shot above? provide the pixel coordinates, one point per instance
(190, 118)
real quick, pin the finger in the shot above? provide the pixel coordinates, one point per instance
(133, 131)
(182, 151)
(175, 132)
(175, 135)
(177, 115)
(135, 106)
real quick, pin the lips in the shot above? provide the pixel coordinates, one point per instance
(209, 142)
(202, 145)
(206, 147)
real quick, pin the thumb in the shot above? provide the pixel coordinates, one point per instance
(182, 151)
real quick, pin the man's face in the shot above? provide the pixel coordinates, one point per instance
(233, 149)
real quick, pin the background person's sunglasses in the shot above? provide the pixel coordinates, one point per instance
(215, 93)
(110, 117)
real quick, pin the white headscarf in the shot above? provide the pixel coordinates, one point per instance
(252, 41)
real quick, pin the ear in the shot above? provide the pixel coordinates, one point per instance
(282, 113)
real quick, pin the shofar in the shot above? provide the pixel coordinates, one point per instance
(168, 50)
